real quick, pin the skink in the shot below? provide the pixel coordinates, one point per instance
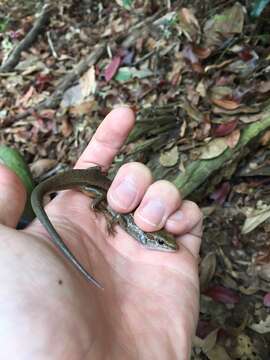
(95, 184)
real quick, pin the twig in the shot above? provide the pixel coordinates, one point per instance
(55, 98)
(54, 53)
(14, 57)
(73, 75)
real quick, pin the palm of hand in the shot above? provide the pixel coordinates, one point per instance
(148, 299)
(148, 308)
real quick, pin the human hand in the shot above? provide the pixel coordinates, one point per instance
(149, 306)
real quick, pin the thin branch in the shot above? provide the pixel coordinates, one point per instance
(56, 97)
(15, 55)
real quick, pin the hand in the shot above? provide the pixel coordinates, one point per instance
(149, 306)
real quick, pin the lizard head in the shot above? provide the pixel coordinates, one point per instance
(162, 241)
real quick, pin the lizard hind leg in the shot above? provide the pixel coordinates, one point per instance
(96, 195)
(112, 220)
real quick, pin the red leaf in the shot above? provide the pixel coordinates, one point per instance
(266, 300)
(112, 68)
(225, 129)
(221, 294)
(246, 54)
(221, 193)
(204, 328)
(42, 82)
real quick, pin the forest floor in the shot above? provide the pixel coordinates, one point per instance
(197, 76)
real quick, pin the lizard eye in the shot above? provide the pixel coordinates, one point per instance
(161, 242)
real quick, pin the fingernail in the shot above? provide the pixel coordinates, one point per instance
(152, 212)
(125, 193)
(176, 217)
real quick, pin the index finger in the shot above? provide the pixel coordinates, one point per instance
(108, 139)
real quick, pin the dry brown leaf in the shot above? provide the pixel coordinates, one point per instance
(189, 24)
(226, 103)
(265, 139)
(224, 25)
(207, 270)
(84, 108)
(24, 100)
(66, 127)
(233, 138)
(88, 82)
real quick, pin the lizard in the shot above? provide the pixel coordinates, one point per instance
(94, 183)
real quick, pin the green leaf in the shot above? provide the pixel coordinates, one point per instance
(129, 73)
(127, 4)
(124, 74)
(3, 24)
(14, 160)
(258, 7)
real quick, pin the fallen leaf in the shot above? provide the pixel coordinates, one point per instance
(266, 300)
(209, 342)
(214, 149)
(84, 108)
(265, 139)
(244, 348)
(224, 25)
(125, 3)
(72, 96)
(246, 119)
(127, 73)
(226, 104)
(201, 89)
(218, 352)
(202, 53)
(169, 158)
(256, 218)
(263, 327)
(24, 100)
(233, 139)
(207, 269)
(264, 271)
(221, 294)
(42, 81)
(264, 87)
(225, 129)
(66, 127)
(192, 58)
(112, 68)
(189, 24)
(258, 7)
(221, 193)
(88, 82)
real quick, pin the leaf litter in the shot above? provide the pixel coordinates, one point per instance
(197, 76)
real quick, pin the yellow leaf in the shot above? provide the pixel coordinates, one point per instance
(214, 148)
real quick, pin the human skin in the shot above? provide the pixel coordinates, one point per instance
(149, 306)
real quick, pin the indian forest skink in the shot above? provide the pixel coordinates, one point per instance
(95, 184)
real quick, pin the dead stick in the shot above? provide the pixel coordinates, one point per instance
(15, 55)
(72, 76)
